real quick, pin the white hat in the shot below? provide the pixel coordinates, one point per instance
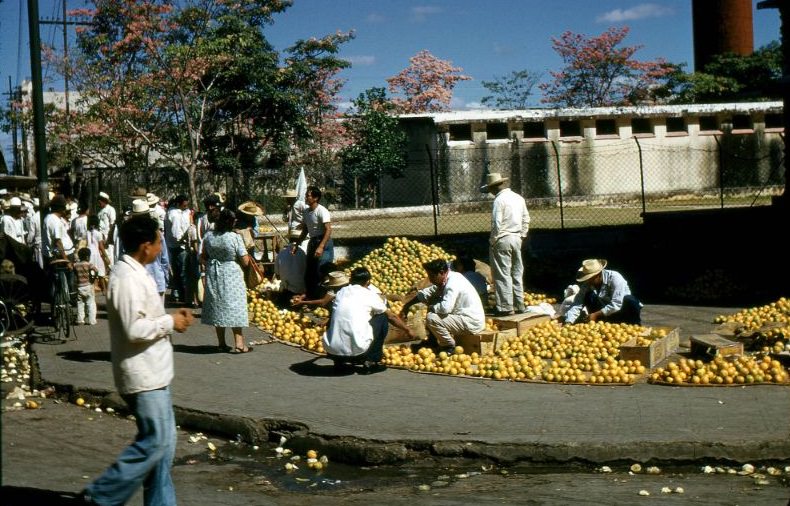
(140, 206)
(103, 195)
(15, 202)
(71, 206)
(152, 199)
(493, 179)
(590, 268)
(290, 193)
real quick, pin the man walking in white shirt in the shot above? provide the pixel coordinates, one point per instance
(509, 227)
(107, 223)
(142, 362)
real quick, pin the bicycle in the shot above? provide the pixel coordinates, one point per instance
(61, 301)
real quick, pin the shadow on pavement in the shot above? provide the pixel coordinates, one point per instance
(200, 349)
(25, 496)
(310, 368)
(81, 356)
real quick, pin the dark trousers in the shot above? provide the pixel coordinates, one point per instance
(178, 265)
(312, 272)
(630, 311)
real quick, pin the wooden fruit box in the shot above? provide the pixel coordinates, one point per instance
(712, 345)
(652, 354)
(486, 342)
(520, 322)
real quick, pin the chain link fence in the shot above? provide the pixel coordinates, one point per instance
(566, 184)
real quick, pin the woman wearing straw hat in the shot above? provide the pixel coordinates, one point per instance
(604, 294)
(509, 227)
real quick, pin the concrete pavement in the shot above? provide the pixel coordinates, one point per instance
(398, 415)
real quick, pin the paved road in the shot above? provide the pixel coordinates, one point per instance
(397, 415)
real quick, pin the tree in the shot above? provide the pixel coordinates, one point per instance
(731, 77)
(196, 86)
(598, 73)
(511, 91)
(426, 84)
(378, 145)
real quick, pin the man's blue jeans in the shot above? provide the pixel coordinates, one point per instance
(148, 460)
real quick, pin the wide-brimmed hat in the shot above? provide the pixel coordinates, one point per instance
(493, 179)
(15, 202)
(151, 198)
(140, 206)
(251, 208)
(290, 193)
(139, 193)
(590, 268)
(336, 279)
(104, 196)
(295, 233)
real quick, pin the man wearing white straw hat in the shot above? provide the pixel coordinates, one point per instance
(107, 221)
(509, 227)
(13, 223)
(604, 294)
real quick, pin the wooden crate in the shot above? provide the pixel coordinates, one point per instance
(652, 354)
(486, 342)
(713, 345)
(520, 322)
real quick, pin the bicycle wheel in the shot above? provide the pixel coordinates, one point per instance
(61, 309)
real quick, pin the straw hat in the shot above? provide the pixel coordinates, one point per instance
(104, 196)
(290, 193)
(139, 193)
(15, 202)
(140, 206)
(295, 234)
(336, 279)
(251, 208)
(152, 199)
(493, 179)
(590, 268)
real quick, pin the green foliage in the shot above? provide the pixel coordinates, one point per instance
(511, 91)
(731, 78)
(378, 144)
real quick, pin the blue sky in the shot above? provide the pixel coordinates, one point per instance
(487, 38)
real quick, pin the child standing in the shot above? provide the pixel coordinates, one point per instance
(85, 273)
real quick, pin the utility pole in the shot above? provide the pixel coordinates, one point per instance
(13, 97)
(39, 135)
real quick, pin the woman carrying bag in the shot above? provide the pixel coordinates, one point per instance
(225, 301)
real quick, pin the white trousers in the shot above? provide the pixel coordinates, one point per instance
(507, 269)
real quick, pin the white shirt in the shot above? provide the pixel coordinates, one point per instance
(14, 228)
(314, 220)
(457, 297)
(107, 218)
(509, 215)
(349, 333)
(159, 212)
(290, 268)
(296, 214)
(142, 355)
(79, 228)
(176, 227)
(34, 233)
(55, 228)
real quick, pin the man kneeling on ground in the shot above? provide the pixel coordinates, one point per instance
(358, 325)
(604, 294)
(454, 307)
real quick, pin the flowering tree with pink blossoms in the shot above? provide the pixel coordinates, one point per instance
(599, 72)
(426, 84)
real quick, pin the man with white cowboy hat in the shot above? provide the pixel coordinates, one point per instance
(107, 224)
(604, 294)
(509, 227)
(13, 221)
(157, 211)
